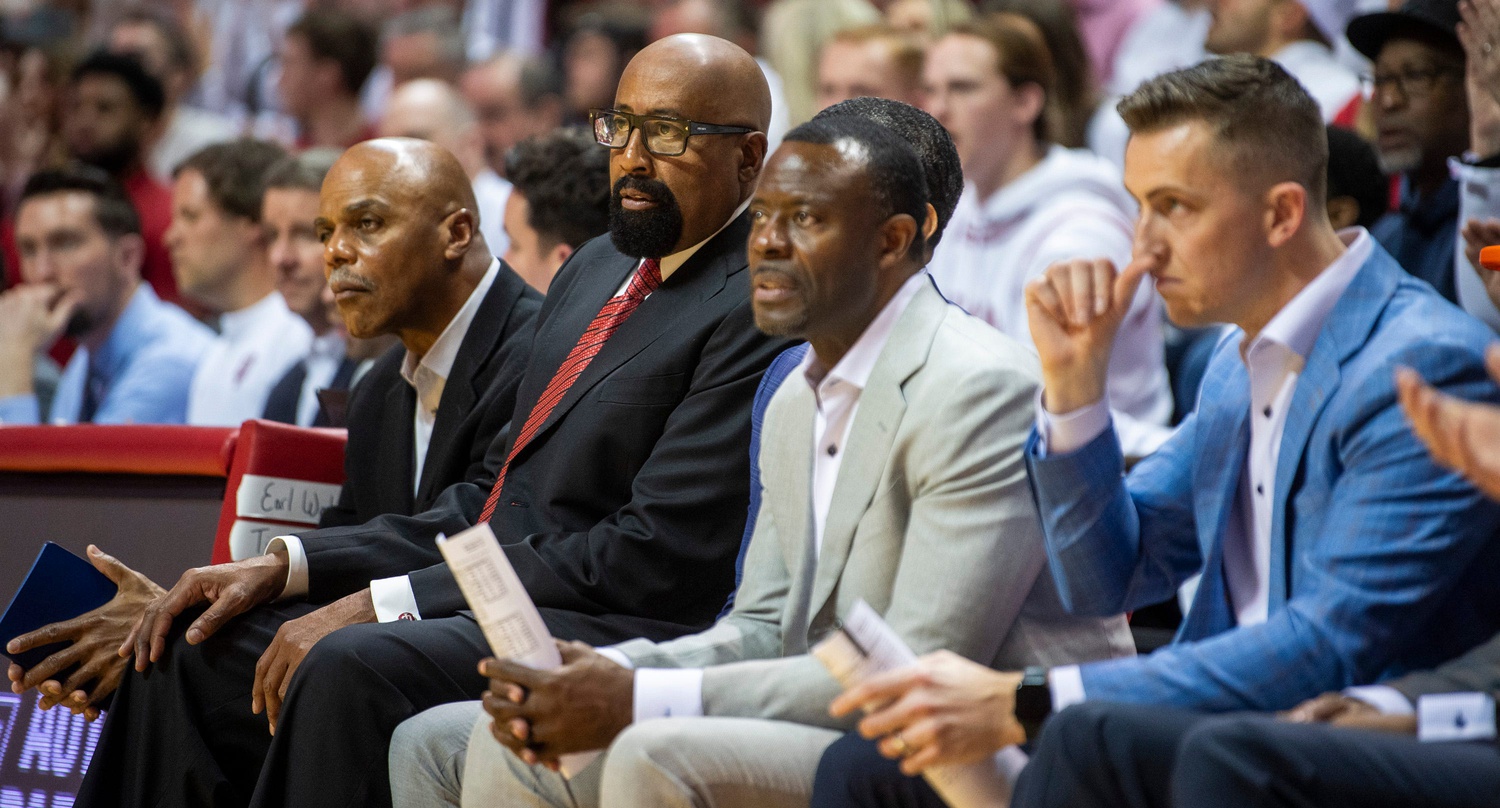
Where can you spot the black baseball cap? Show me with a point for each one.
(1428, 20)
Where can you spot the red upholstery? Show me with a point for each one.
(293, 473)
(133, 449)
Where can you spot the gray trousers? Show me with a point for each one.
(446, 757)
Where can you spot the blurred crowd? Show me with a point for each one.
(1026, 88)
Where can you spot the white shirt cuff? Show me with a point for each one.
(668, 693)
(1070, 431)
(616, 656)
(1455, 717)
(1066, 683)
(1387, 700)
(296, 568)
(394, 599)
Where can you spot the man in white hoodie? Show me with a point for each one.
(1028, 203)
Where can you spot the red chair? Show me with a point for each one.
(281, 477)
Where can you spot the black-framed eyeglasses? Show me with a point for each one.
(1410, 83)
(664, 137)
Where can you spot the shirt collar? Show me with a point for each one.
(856, 365)
(235, 324)
(1297, 325)
(671, 263)
(128, 334)
(439, 358)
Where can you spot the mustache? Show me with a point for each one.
(656, 189)
(777, 270)
(347, 279)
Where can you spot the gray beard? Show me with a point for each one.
(1400, 161)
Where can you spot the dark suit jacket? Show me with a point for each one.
(380, 460)
(1478, 670)
(623, 515)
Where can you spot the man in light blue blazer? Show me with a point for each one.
(1333, 551)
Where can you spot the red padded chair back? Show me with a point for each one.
(281, 477)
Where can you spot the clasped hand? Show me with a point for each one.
(542, 715)
(944, 710)
(92, 639)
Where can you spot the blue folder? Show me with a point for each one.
(60, 586)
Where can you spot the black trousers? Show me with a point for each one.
(852, 772)
(1138, 756)
(182, 733)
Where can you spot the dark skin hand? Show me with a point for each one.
(542, 715)
(94, 638)
(402, 255)
(1346, 711)
(293, 640)
(231, 589)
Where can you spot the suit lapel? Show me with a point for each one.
(699, 279)
(786, 453)
(1217, 479)
(867, 450)
(565, 323)
(1349, 325)
(398, 450)
(466, 379)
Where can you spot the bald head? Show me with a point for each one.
(415, 172)
(663, 203)
(717, 80)
(401, 243)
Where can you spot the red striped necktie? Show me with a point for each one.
(615, 312)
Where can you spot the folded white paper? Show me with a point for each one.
(510, 622)
(866, 646)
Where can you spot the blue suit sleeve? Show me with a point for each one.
(1397, 538)
(1114, 548)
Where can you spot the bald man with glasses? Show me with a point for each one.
(618, 491)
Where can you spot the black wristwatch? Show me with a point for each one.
(1033, 701)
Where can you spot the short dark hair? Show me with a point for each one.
(1252, 105)
(342, 37)
(1353, 171)
(112, 207)
(931, 142)
(303, 171)
(564, 177)
(181, 51)
(145, 88)
(892, 168)
(236, 174)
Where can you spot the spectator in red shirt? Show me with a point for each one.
(111, 107)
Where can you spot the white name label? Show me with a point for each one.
(248, 538)
(283, 499)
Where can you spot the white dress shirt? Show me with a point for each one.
(256, 346)
(323, 360)
(1274, 360)
(428, 376)
(663, 692)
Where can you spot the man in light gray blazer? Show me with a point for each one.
(893, 473)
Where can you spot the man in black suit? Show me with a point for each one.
(485, 316)
(622, 503)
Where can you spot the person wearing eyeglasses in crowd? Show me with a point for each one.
(611, 493)
(1421, 117)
